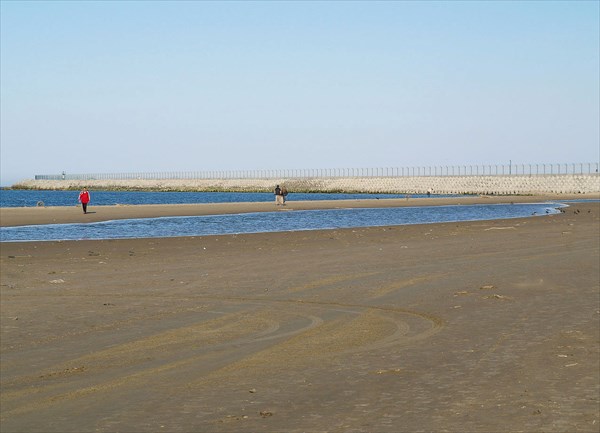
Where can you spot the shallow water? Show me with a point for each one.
(279, 221)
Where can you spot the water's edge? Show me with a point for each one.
(269, 222)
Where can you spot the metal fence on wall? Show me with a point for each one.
(448, 170)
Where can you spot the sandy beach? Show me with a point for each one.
(488, 326)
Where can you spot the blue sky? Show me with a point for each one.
(166, 86)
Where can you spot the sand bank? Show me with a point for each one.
(73, 214)
(475, 326)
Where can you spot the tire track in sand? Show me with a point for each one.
(297, 332)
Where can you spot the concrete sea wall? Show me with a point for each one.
(496, 185)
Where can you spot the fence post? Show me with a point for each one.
(414, 171)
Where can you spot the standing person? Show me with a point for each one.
(284, 193)
(84, 199)
(278, 196)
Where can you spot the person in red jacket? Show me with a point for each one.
(84, 199)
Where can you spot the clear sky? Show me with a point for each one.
(111, 86)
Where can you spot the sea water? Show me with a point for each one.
(31, 198)
(279, 221)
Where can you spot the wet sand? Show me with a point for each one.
(461, 327)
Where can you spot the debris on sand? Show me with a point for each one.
(496, 296)
(487, 287)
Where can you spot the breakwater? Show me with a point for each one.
(489, 185)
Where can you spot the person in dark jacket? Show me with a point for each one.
(278, 196)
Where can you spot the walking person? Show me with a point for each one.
(278, 196)
(84, 199)
(284, 193)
